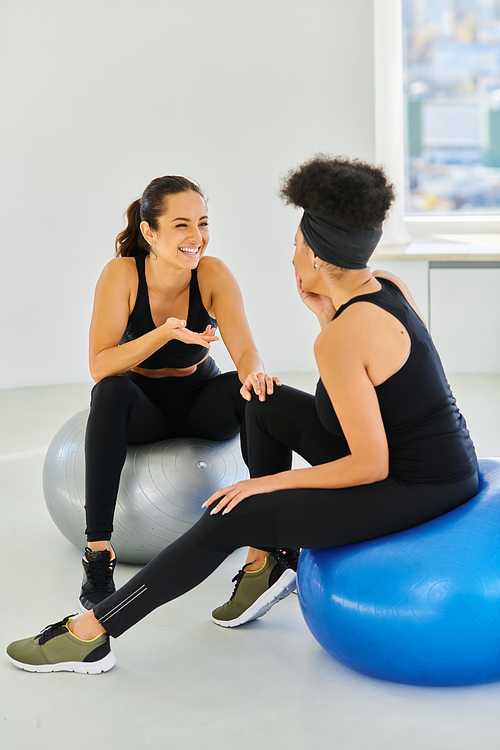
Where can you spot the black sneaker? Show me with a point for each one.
(290, 557)
(97, 582)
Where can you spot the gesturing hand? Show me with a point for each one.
(177, 329)
(261, 383)
(229, 497)
(320, 305)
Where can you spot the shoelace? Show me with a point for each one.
(237, 578)
(58, 628)
(100, 574)
(290, 557)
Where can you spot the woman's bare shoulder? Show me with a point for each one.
(122, 266)
(210, 265)
(379, 273)
(401, 285)
(118, 278)
(119, 270)
(215, 273)
(357, 330)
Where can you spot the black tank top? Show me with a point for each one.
(173, 353)
(428, 438)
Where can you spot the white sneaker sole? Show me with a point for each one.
(284, 586)
(81, 667)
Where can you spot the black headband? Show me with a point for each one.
(340, 246)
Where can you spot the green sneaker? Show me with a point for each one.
(56, 649)
(255, 593)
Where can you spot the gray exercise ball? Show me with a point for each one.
(162, 488)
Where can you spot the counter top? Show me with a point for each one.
(462, 248)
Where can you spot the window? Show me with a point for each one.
(451, 51)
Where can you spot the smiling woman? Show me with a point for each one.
(156, 311)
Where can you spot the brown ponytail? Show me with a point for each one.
(131, 242)
(149, 208)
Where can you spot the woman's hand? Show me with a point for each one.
(261, 383)
(229, 497)
(177, 330)
(319, 304)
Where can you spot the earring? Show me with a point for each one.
(315, 266)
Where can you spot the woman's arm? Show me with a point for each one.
(229, 311)
(115, 290)
(340, 353)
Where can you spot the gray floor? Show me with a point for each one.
(181, 682)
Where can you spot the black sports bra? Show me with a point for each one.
(173, 353)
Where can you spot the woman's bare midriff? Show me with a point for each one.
(168, 372)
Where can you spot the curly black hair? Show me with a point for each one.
(350, 191)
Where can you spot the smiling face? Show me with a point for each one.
(182, 235)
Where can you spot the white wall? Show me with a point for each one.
(465, 318)
(104, 95)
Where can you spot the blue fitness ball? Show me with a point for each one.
(420, 607)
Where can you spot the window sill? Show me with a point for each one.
(470, 249)
(429, 226)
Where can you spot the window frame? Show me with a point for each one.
(389, 135)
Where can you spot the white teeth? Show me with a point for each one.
(189, 250)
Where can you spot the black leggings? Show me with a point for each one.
(309, 518)
(131, 408)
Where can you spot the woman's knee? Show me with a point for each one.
(285, 400)
(112, 392)
(239, 528)
(279, 414)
